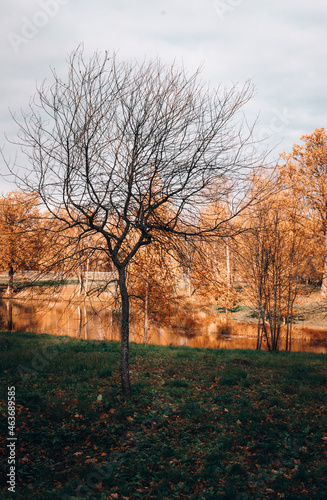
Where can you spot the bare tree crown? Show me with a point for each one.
(126, 148)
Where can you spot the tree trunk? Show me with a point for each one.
(85, 323)
(287, 316)
(86, 286)
(9, 310)
(189, 284)
(10, 288)
(124, 364)
(258, 335)
(80, 321)
(228, 277)
(146, 322)
(80, 281)
(290, 334)
(260, 329)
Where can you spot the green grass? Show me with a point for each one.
(202, 424)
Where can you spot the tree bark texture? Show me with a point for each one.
(124, 367)
(146, 322)
(10, 288)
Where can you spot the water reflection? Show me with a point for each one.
(95, 321)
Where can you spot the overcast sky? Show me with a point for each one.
(281, 45)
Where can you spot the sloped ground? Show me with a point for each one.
(202, 424)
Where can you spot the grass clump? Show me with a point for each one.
(232, 376)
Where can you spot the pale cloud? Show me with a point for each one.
(280, 45)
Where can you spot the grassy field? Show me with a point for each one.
(202, 424)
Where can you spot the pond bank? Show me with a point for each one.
(95, 320)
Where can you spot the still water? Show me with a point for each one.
(98, 322)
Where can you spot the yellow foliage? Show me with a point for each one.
(20, 240)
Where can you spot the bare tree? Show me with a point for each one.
(129, 151)
(272, 254)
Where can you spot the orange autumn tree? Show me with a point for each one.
(71, 254)
(272, 252)
(210, 266)
(152, 281)
(20, 234)
(305, 171)
(154, 273)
